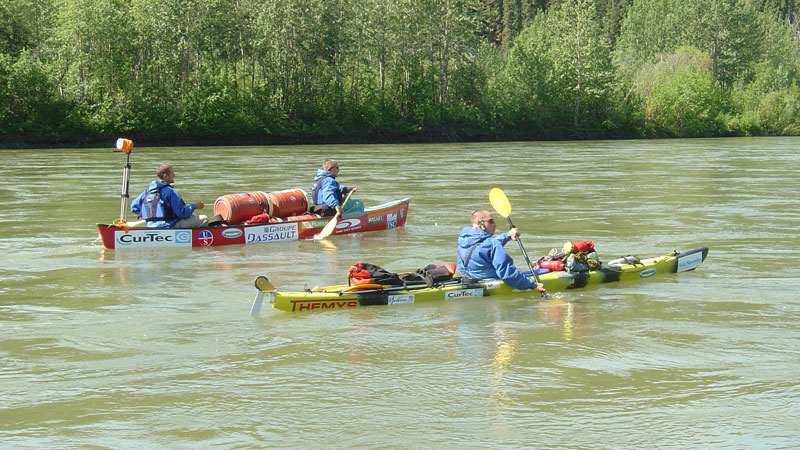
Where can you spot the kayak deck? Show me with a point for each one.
(346, 297)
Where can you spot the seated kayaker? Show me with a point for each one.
(162, 207)
(328, 195)
(482, 256)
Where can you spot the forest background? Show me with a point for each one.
(179, 72)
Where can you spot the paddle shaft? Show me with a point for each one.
(525, 254)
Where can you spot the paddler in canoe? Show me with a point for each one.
(327, 193)
(162, 207)
(481, 255)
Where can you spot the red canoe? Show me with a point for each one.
(381, 217)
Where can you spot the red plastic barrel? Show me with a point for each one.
(236, 208)
(554, 265)
(288, 203)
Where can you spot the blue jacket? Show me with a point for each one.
(489, 259)
(167, 211)
(329, 192)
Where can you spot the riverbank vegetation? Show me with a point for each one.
(80, 72)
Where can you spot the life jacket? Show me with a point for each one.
(155, 208)
(315, 191)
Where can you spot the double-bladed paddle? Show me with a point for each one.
(501, 204)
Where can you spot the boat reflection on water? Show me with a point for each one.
(558, 313)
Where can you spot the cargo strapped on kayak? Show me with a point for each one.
(366, 273)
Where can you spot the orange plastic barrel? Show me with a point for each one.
(236, 208)
(288, 203)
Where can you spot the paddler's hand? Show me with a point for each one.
(352, 189)
(339, 210)
(199, 205)
(513, 233)
(540, 287)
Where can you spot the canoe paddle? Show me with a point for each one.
(334, 220)
(501, 204)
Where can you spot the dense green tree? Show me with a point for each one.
(726, 29)
(681, 97)
(566, 58)
(520, 68)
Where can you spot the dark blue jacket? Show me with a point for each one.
(168, 209)
(329, 192)
(489, 259)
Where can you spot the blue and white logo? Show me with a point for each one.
(232, 233)
(183, 237)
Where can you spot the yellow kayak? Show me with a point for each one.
(345, 297)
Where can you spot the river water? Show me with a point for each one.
(155, 349)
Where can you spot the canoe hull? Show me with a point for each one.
(382, 217)
(344, 297)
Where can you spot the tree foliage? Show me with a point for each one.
(452, 69)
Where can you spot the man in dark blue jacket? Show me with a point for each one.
(326, 191)
(482, 256)
(162, 207)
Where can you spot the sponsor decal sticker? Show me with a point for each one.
(391, 220)
(348, 223)
(492, 284)
(689, 262)
(401, 299)
(183, 237)
(232, 233)
(205, 238)
(646, 273)
(271, 233)
(462, 293)
(323, 303)
(376, 220)
(153, 238)
(314, 224)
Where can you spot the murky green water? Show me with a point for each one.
(153, 348)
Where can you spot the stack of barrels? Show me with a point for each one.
(277, 206)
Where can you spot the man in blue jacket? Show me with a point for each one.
(482, 256)
(326, 191)
(162, 207)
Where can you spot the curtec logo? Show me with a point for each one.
(232, 233)
(153, 238)
(377, 220)
(647, 273)
(146, 238)
(326, 303)
(462, 293)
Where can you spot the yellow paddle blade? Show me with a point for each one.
(500, 202)
(329, 227)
